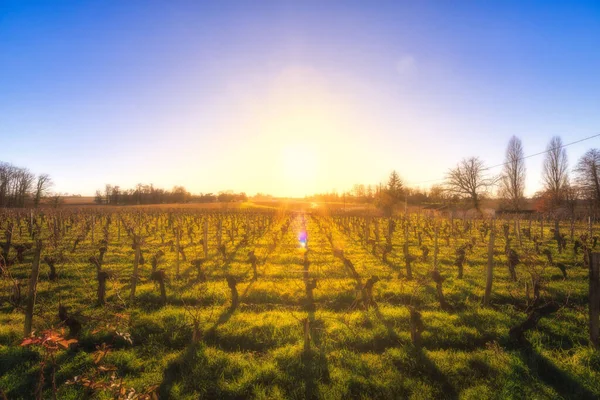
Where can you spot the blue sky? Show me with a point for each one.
(290, 97)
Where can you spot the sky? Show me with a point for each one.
(291, 97)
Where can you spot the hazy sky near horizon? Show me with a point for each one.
(290, 97)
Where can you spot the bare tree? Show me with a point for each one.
(555, 173)
(512, 181)
(588, 176)
(41, 188)
(6, 174)
(572, 195)
(107, 192)
(22, 183)
(467, 180)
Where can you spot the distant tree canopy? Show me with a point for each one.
(467, 180)
(512, 180)
(148, 194)
(555, 174)
(18, 186)
(587, 177)
(391, 195)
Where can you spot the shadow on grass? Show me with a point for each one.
(314, 364)
(210, 335)
(190, 371)
(561, 381)
(425, 367)
(388, 325)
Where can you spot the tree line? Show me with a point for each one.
(564, 188)
(148, 194)
(20, 187)
(471, 181)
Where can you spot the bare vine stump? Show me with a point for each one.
(513, 261)
(339, 253)
(310, 285)
(196, 333)
(232, 283)
(517, 333)
(32, 289)
(576, 247)
(102, 250)
(21, 248)
(223, 251)
(439, 280)
(425, 253)
(69, 321)
(51, 261)
(102, 276)
(201, 276)
(156, 259)
(160, 277)
(387, 248)
(416, 327)
(368, 290)
(562, 267)
(350, 266)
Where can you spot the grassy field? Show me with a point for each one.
(277, 343)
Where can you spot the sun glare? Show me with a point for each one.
(299, 168)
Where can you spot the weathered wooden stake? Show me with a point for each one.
(595, 300)
(32, 289)
(205, 239)
(435, 248)
(177, 234)
(136, 262)
(490, 268)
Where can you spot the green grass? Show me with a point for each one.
(257, 349)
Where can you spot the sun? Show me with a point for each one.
(299, 168)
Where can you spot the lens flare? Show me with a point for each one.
(303, 239)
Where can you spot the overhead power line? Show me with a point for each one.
(523, 158)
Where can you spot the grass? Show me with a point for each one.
(256, 350)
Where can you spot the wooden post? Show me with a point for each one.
(435, 247)
(32, 289)
(306, 326)
(490, 267)
(219, 232)
(595, 300)
(205, 239)
(572, 227)
(136, 262)
(407, 256)
(178, 250)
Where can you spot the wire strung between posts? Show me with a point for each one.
(522, 158)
